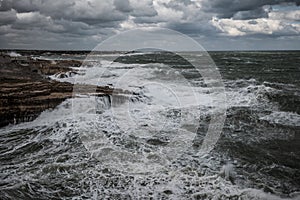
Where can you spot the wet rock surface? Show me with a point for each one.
(26, 90)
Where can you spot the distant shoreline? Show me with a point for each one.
(124, 51)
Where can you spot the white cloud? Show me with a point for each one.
(128, 24)
(285, 15)
(35, 20)
(258, 26)
(167, 14)
(29, 18)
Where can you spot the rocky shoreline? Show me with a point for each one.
(26, 90)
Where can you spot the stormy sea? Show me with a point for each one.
(142, 139)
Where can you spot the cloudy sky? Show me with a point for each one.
(215, 24)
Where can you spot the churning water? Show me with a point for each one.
(146, 145)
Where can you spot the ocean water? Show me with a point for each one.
(146, 144)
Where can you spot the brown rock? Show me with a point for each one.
(25, 91)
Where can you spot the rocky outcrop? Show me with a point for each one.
(25, 101)
(47, 67)
(25, 90)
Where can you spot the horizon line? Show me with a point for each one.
(90, 50)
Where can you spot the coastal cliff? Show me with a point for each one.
(26, 90)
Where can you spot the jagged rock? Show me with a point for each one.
(24, 93)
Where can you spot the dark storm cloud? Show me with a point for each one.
(228, 8)
(192, 28)
(46, 23)
(31, 22)
(21, 6)
(251, 14)
(90, 12)
(122, 5)
(8, 17)
(143, 8)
